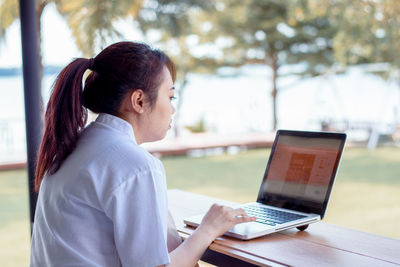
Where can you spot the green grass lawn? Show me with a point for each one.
(366, 194)
(14, 220)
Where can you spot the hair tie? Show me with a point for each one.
(91, 63)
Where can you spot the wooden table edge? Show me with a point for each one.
(237, 253)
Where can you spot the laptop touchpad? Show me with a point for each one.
(250, 227)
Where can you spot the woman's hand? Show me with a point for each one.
(220, 219)
(216, 222)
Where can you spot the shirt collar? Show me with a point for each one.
(116, 123)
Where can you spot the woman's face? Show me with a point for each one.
(159, 116)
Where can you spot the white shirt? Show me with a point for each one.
(106, 205)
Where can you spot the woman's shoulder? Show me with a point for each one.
(117, 164)
(126, 159)
(129, 154)
(112, 147)
(114, 157)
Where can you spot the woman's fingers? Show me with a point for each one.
(220, 219)
(235, 215)
(243, 219)
(239, 212)
(241, 216)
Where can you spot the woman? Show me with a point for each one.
(102, 198)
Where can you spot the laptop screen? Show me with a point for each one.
(301, 170)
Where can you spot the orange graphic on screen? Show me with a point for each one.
(303, 165)
(300, 168)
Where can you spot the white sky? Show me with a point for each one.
(57, 42)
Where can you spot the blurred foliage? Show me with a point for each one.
(275, 33)
(171, 25)
(368, 30)
(272, 32)
(201, 36)
(8, 13)
(91, 21)
(198, 127)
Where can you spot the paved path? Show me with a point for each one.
(195, 142)
(191, 144)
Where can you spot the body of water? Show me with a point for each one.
(242, 103)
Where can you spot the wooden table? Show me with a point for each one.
(321, 244)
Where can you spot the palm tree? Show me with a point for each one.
(91, 21)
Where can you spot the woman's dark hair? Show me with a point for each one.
(118, 70)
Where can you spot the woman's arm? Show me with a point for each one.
(218, 220)
(173, 238)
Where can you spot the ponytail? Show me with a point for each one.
(64, 119)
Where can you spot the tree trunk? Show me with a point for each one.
(274, 92)
(179, 105)
(39, 10)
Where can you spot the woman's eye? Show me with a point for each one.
(172, 98)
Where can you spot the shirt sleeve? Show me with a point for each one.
(139, 227)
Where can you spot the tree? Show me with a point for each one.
(275, 33)
(172, 25)
(368, 31)
(91, 21)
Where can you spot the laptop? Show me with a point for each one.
(296, 185)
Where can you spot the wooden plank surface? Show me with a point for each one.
(320, 245)
(371, 245)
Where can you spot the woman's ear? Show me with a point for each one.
(137, 101)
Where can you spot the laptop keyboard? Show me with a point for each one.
(270, 216)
